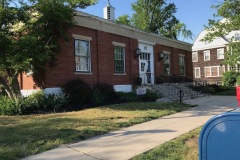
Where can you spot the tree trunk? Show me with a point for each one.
(11, 84)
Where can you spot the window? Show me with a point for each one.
(237, 36)
(82, 55)
(197, 72)
(182, 65)
(214, 71)
(234, 68)
(207, 55)
(220, 53)
(166, 64)
(119, 60)
(194, 56)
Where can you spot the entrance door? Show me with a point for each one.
(145, 68)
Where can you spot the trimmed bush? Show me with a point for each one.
(77, 91)
(102, 93)
(127, 97)
(150, 96)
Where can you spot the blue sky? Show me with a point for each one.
(194, 13)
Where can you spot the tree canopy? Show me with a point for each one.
(29, 34)
(156, 16)
(228, 14)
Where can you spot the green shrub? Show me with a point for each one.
(230, 78)
(8, 106)
(238, 80)
(150, 96)
(102, 93)
(35, 103)
(127, 96)
(77, 91)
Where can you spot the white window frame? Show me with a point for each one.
(218, 71)
(220, 53)
(123, 46)
(237, 36)
(196, 57)
(207, 54)
(197, 68)
(88, 70)
(117, 58)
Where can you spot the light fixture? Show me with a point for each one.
(137, 52)
(160, 56)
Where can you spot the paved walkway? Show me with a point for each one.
(131, 141)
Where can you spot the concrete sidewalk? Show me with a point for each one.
(128, 142)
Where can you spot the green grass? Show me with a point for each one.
(184, 147)
(22, 136)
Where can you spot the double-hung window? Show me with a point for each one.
(214, 71)
(182, 65)
(82, 55)
(207, 55)
(119, 60)
(220, 53)
(197, 72)
(195, 56)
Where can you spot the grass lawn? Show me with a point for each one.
(22, 136)
(184, 147)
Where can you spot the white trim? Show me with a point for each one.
(218, 71)
(204, 55)
(146, 42)
(199, 72)
(166, 52)
(119, 44)
(218, 55)
(76, 36)
(197, 56)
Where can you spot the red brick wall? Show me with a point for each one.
(213, 62)
(102, 60)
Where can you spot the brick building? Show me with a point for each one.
(208, 57)
(102, 51)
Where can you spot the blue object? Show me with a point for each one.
(220, 138)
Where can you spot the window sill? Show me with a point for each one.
(86, 73)
(120, 74)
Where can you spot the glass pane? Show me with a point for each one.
(207, 72)
(214, 71)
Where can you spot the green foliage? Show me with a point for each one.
(133, 97)
(127, 96)
(124, 19)
(238, 80)
(30, 31)
(77, 91)
(36, 102)
(102, 93)
(229, 13)
(230, 78)
(150, 96)
(158, 17)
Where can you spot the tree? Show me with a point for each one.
(124, 19)
(29, 34)
(228, 14)
(158, 17)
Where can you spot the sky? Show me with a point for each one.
(194, 13)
